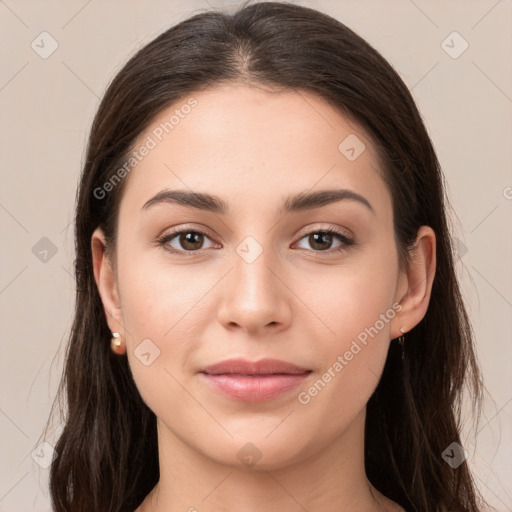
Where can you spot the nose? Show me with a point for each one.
(255, 298)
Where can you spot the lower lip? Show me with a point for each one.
(257, 388)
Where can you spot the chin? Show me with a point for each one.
(257, 453)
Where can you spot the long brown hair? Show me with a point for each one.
(106, 456)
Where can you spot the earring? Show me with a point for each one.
(117, 345)
(401, 341)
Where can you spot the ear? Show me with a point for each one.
(417, 282)
(105, 278)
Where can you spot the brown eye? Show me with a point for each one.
(322, 240)
(191, 240)
(184, 241)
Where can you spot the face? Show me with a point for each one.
(312, 281)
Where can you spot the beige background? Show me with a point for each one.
(47, 106)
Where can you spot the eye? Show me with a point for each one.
(190, 240)
(322, 240)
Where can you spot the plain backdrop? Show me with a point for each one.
(57, 59)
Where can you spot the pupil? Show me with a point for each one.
(191, 238)
(318, 239)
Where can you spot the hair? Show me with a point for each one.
(107, 453)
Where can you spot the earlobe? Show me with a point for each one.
(105, 278)
(420, 277)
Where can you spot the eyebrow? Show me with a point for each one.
(299, 202)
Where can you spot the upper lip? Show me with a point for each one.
(261, 367)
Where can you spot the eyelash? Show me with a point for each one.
(342, 237)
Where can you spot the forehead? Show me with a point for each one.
(245, 143)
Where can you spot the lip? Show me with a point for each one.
(254, 381)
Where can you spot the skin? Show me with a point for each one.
(295, 302)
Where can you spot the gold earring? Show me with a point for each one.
(117, 344)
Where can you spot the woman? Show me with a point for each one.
(267, 312)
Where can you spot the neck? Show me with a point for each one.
(333, 480)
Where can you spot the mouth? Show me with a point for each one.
(254, 381)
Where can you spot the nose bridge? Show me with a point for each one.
(253, 296)
(254, 282)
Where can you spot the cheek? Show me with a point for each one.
(351, 298)
(358, 308)
(351, 369)
(158, 298)
(161, 306)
